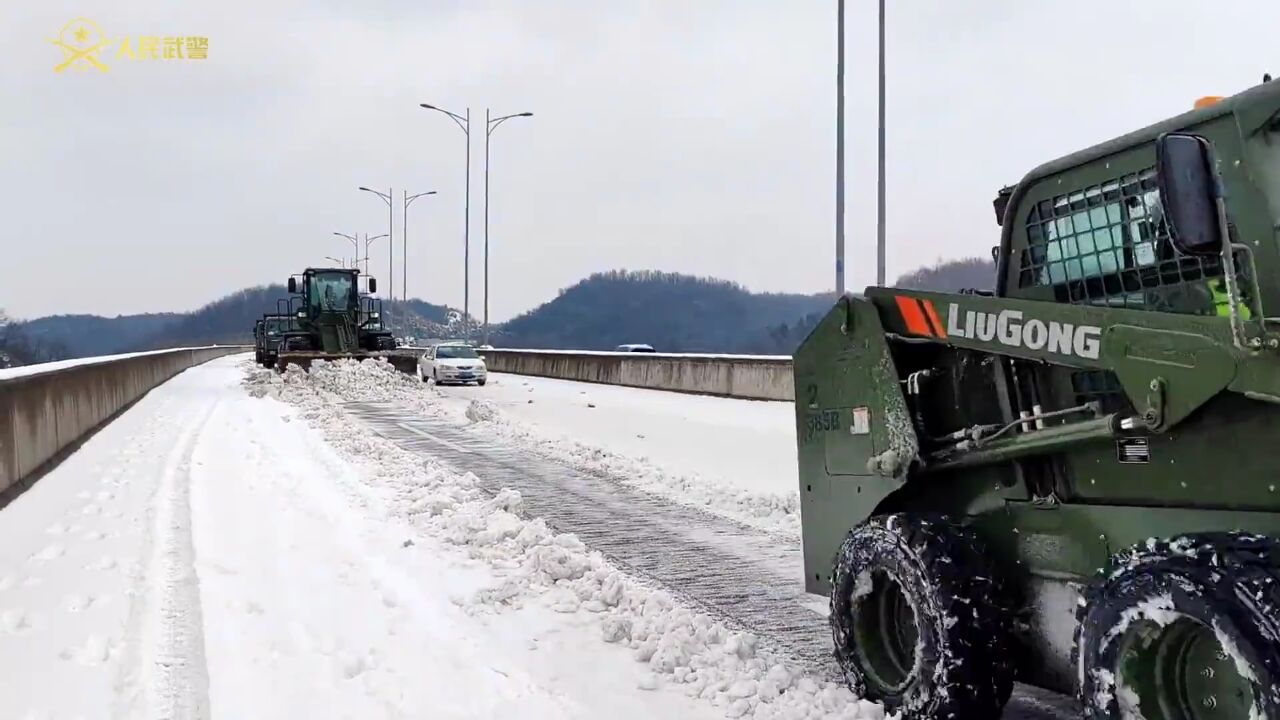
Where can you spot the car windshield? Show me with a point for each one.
(332, 292)
(275, 326)
(455, 351)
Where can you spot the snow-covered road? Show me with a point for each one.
(685, 434)
(211, 554)
(353, 543)
(734, 457)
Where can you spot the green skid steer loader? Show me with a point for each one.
(1067, 481)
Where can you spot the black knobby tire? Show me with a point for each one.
(920, 619)
(1187, 627)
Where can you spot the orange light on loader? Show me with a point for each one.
(1207, 100)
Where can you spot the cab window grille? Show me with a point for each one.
(1108, 244)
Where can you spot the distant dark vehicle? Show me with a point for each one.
(268, 332)
(257, 341)
(634, 347)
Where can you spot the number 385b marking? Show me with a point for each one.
(820, 422)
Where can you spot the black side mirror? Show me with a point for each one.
(293, 285)
(1189, 191)
(373, 285)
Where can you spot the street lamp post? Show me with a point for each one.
(489, 126)
(367, 242)
(355, 244)
(404, 241)
(391, 242)
(880, 185)
(464, 123)
(341, 263)
(840, 148)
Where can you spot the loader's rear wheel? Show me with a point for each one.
(1184, 629)
(920, 621)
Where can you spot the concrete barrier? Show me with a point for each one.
(752, 377)
(43, 413)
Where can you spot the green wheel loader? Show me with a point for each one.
(1068, 481)
(331, 319)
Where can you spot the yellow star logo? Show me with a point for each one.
(80, 41)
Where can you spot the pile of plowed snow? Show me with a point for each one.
(679, 646)
(378, 381)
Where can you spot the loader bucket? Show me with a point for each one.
(403, 361)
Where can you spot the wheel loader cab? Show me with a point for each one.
(331, 291)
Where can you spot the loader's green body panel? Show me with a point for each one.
(847, 372)
(1097, 398)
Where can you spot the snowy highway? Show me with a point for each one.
(354, 543)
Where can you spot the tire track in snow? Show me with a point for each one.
(748, 577)
(168, 677)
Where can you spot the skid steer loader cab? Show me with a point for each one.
(1064, 481)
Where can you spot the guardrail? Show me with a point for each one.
(45, 412)
(752, 377)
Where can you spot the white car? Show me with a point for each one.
(452, 364)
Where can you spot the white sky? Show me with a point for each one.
(684, 135)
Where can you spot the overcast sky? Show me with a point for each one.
(684, 135)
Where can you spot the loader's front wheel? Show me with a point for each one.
(1184, 629)
(920, 621)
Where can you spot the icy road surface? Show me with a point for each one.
(734, 458)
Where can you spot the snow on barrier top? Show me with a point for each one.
(750, 377)
(619, 353)
(46, 408)
(36, 369)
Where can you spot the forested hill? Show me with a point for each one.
(231, 319)
(227, 320)
(672, 312)
(944, 276)
(86, 335)
(952, 276)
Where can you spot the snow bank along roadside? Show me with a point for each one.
(771, 511)
(25, 370)
(51, 409)
(679, 646)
